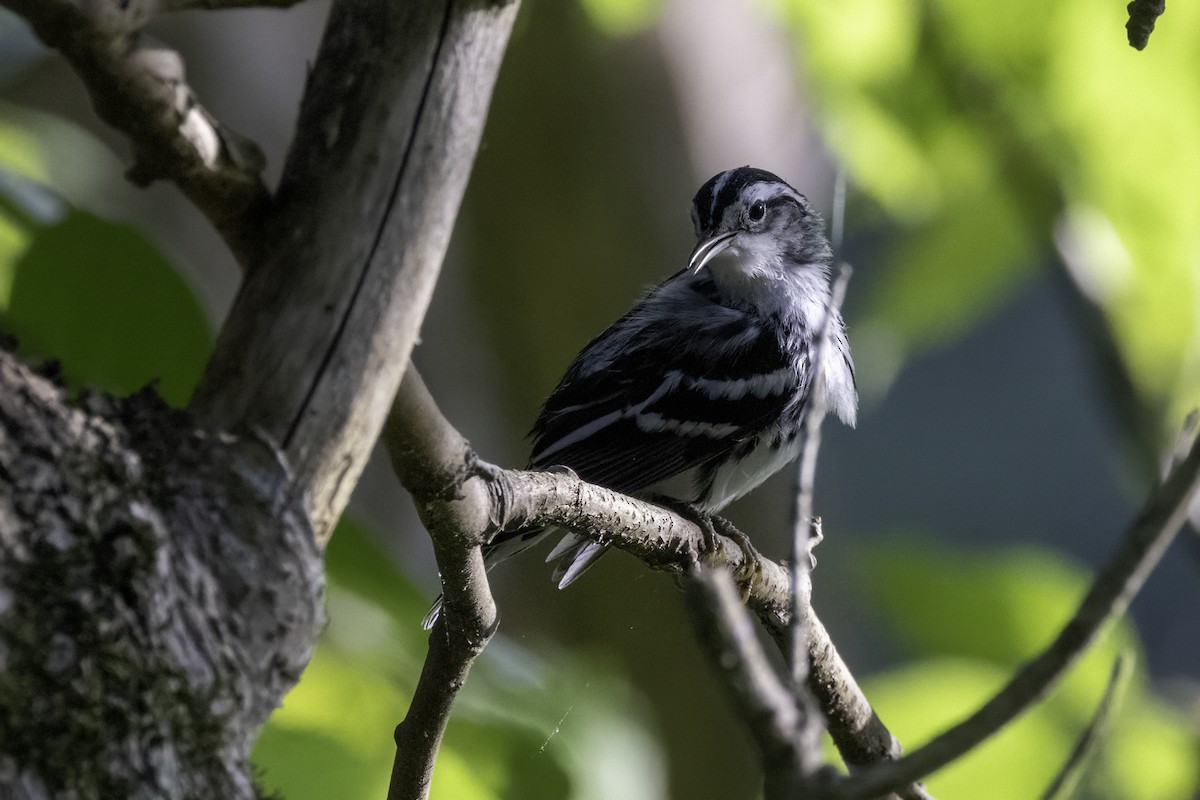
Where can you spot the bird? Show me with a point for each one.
(696, 395)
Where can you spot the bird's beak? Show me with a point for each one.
(708, 249)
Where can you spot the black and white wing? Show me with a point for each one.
(657, 395)
(677, 387)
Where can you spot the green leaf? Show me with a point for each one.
(100, 298)
(356, 562)
(984, 131)
(999, 606)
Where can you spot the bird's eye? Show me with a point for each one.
(758, 210)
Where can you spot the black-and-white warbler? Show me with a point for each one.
(696, 394)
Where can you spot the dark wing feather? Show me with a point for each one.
(598, 422)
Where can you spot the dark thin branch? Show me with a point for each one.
(765, 702)
(138, 86)
(1064, 783)
(1144, 543)
(433, 463)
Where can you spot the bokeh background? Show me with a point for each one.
(1023, 216)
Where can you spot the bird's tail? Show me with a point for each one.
(504, 546)
(573, 553)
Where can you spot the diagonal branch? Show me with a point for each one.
(793, 764)
(1064, 783)
(138, 86)
(1163, 515)
(321, 330)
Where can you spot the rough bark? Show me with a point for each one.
(321, 331)
(160, 590)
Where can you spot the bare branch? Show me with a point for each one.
(321, 330)
(767, 705)
(1065, 781)
(433, 462)
(806, 528)
(138, 86)
(1147, 538)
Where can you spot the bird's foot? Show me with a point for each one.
(713, 527)
(750, 570)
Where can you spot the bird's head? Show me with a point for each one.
(752, 225)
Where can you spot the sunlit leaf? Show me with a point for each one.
(980, 129)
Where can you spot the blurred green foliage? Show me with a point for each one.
(524, 726)
(100, 298)
(991, 134)
(968, 620)
(91, 293)
(984, 138)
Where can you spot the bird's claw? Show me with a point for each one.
(750, 570)
(712, 529)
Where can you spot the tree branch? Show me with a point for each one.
(1064, 783)
(435, 463)
(792, 761)
(432, 459)
(1140, 551)
(138, 86)
(322, 328)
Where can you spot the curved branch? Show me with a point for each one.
(435, 462)
(792, 762)
(138, 86)
(1163, 515)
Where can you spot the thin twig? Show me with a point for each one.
(766, 704)
(804, 524)
(1064, 783)
(1140, 551)
(806, 528)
